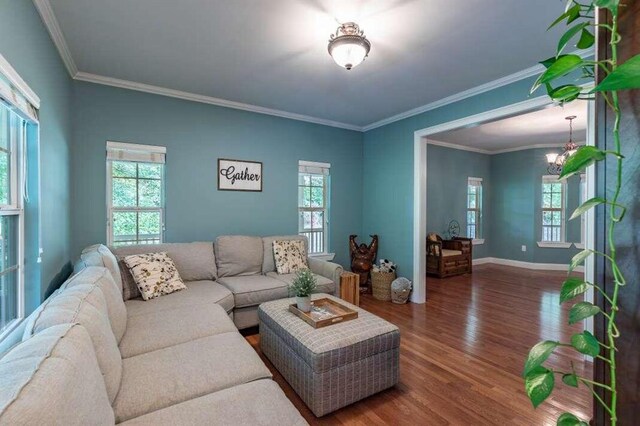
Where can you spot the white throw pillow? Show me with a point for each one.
(289, 256)
(155, 274)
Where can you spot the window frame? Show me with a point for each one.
(111, 210)
(477, 182)
(546, 179)
(321, 169)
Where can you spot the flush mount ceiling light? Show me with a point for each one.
(555, 160)
(348, 46)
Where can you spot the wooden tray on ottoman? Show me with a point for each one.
(324, 312)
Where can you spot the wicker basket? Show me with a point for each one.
(400, 296)
(381, 285)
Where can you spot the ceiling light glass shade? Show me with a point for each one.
(551, 157)
(348, 46)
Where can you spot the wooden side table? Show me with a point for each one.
(350, 288)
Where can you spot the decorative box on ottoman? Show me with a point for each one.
(333, 366)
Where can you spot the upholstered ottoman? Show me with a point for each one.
(333, 366)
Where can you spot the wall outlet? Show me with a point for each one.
(524, 248)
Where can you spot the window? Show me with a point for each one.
(313, 210)
(553, 209)
(135, 194)
(12, 140)
(474, 208)
(583, 217)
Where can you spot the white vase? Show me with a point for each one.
(304, 303)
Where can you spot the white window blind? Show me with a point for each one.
(119, 151)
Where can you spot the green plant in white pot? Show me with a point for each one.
(302, 286)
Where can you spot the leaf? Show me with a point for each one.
(569, 34)
(563, 65)
(582, 310)
(570, 380)
(586, 40)
(586, 343)
(571, 14)
(595, 201)
(547, 62)
(578, 259)
(565, 93)
(539, 354)
(612, 5)
(568, 419)
(571, 288)
(626, 76)
(539, 384)
(581, 159)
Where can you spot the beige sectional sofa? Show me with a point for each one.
(90, 357)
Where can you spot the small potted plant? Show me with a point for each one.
(302, 286)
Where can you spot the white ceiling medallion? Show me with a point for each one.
(348, 46)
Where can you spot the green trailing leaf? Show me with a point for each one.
(570, 380)
(626, 76)
(539, 384)
(563, 65)
(589, 204)
(572, 287)
(568, 419)
(565, 93)
(612, 5)
(581, 159)
(579, 258)
(571, 14)
(539, 354)
(582, 310)
(586, 40)
(569, 34)
(547, 62)
(586, 343)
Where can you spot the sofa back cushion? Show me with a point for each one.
(238, 255)
(85, 305)
(103, 279)
(268, 263)
(194, 261)
(100, 255)
(53, 378)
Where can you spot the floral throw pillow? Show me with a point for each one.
(290, 256)
(155, 274)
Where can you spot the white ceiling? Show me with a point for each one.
(543, 128)
(273, 53)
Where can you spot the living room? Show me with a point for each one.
(129, 124)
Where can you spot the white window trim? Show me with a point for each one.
(563, 228)
(470, 179)
(477, 241)
(157, 154)
(315, 167)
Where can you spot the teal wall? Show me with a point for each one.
(447, 173)
(25, 43)
(196, 135)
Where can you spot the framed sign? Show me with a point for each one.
(239, 175)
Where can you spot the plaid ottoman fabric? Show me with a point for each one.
(333, 366)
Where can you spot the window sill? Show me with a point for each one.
(323, 256)
(579, 246)
(545, 244)
(477, 241)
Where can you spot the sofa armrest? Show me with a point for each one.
(328, 270)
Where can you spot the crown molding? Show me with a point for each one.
(486, 87)
(50, 21)
(157, 90)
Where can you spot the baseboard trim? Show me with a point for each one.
(525, 265)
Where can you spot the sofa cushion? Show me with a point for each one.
(290, 256)
(53, 378)
(155, 274)
(103, 279)
(163, 328)
(195, 261)
(257, 403)
(100, 255)
(255, 289)
(85, 305)
(323, 284)
(268, 262)
(238, 255)
(197, 293)
(168, 376)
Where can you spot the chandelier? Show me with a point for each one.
(348, 46)
(555, 160)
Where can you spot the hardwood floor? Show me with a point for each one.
(462, 354)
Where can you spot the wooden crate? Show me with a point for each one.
(350, 287)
